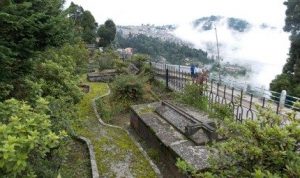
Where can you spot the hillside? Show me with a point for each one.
(157, 48)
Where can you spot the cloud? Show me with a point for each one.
(263, 49)
(136, 12)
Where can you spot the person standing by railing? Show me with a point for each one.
(193, 72)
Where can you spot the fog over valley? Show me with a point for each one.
(261, 47)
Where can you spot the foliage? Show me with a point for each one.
(173, 52)
(127, 87)
(107, 33)
(139, 60)
(104, 110)
(264, 147)
(76, 159)
(106, 60)
(184, 167)
(27, 27)
(25, 135)
(84, 22)
(37, 61)
(290, 77)
(220, 111)
(193, 97)
(107, 140)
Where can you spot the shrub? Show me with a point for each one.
(263, 147)
(139, 60)
(25, 137)
(128, 88)
(221, 111)
(106, 60)
(192, 95)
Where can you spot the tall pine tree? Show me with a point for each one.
(27, 27)
(290, 77)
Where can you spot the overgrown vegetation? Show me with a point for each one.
(41, 58)
(127, 88)
(174, 53)
(107, 140)
(290, 78)
(106, 60)
(192, 95)
(264, 147)
(77, 162)
(26, 137)
(267, 146)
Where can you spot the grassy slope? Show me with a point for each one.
(77, 159)
(116, 154)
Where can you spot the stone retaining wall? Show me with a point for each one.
(95, 173)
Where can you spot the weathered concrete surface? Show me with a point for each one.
(168, 136)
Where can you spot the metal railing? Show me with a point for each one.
(243, 102)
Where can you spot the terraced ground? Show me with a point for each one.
(116, 153)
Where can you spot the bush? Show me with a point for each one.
(128, 88)
(192, 95)
(221, 111)
(139, 60)
(264, 147)
(106, 60)
(25, 137)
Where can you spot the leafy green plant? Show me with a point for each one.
(184, 167)
(263, 147)
(192, 95)
(25, 136)
(106, 60)
(139, 60)
(104, 110)
(128, 88)
(221, 111)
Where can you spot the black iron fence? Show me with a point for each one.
(244, 103)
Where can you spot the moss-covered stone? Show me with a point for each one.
(116, 153)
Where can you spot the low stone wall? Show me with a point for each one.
(95, 173)
(103, 76)
(166, 154)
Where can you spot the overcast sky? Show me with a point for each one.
(159, 12)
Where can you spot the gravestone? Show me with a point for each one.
(176, 132)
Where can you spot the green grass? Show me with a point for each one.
(76, 163)
(112, 146)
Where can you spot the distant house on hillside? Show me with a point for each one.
(125, 53)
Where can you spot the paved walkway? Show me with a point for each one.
(116, 154)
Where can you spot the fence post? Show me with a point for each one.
(282, 100)
(167, 78)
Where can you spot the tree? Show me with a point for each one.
(107, 33)
(89, 26)
(25, 28)
(291, 70)
(84, 21)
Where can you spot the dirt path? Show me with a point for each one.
(116, 153)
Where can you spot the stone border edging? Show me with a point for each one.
(95, 173)
(154, 167)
